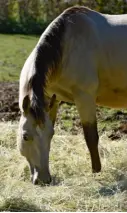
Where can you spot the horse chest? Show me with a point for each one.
(62, 93)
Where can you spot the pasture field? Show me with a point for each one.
(73, 187)
(14, 50)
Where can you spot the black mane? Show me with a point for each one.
(48, 56)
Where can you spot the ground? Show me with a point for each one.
(9, 109)
(73, 187)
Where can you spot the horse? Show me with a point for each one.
(80, 58)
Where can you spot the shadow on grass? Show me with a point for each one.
(119, 187)
(19, 205)
(56, 181)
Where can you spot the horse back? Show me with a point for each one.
(95, 49)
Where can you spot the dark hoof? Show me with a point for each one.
(96, 169)
(34, 180)
(47, 182)
(37, 181)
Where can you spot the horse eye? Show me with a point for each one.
(25, 137)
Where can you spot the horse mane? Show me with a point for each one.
(47, 58)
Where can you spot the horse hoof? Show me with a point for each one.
(96, 169)
(46, 181)
(36, 181)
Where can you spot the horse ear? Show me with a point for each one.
(26, 104)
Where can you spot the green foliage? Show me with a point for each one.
(22, 17)
(30, 26)
(112, 6)
(33, 16)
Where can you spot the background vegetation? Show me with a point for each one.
(32, 16)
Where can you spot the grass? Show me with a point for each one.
(14, 50)
(74, 187)
(109, 120)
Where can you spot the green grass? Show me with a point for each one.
(14, 50)
(74, 188)
(109, 120)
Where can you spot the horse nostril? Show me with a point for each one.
(25, 137)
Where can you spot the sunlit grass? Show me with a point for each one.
(14, 50)
(74, 187)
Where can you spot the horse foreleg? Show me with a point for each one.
(87, 110)
(91, 136)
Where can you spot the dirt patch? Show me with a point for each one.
(118, 131)
(9, 109)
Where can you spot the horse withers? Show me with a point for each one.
(81, 59)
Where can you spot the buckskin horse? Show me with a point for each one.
(80, 58)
